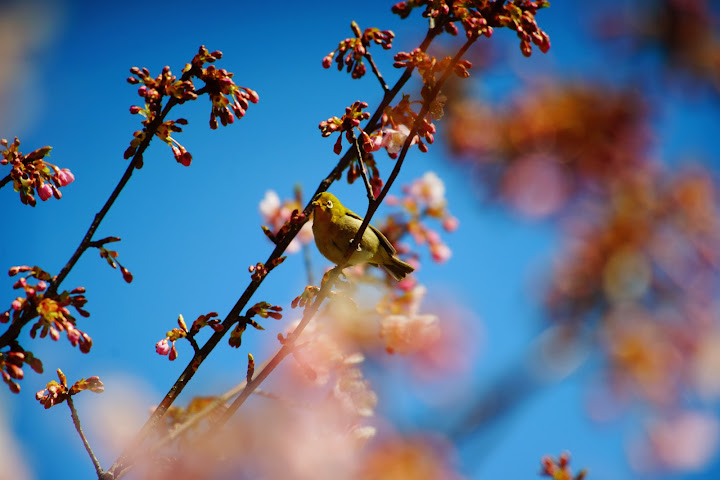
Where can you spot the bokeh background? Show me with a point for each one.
(583, 283)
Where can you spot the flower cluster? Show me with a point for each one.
(559, 469)
(282, 216)
(55, 393)
(304, 298)
(424, 198)
(597, 133)
(681, 34)
(53, 312)
(480, 17)
(429, 67)
(11, 364)
(645, 265)
(111, 256)
(357, 48)
(348, 123)
(412, 457)
(259, 270)
(264, 310)
(153, 91)
(320, 359)
(31, 173)
(228, 100)
(394, 130)
(166, 346)
(403, 329)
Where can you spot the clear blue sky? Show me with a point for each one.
(188, 234)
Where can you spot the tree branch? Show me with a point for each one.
(5, 180)
(76, 422)
(377, 73)
(363, 169)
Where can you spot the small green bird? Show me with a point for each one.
(334, 227)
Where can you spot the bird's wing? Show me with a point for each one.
(383, 241)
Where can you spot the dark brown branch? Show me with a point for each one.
(5, 180)
(377, 73)
(76, 422)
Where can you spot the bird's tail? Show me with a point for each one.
(397, 268)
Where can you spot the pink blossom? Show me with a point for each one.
(393, 140)
(162, 347)
(450, 224)
(45, 191)
(42, 285)
(686, 442)
(270, 207)
(17, 304)
(65, 177)
(440, 252)
(409, 333)
(429, 190)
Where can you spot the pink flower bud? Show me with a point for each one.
(73, 335)
(17, 304)
(450, 224)
(45, 191)
(42, 285)
(162, 347)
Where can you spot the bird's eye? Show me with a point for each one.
(329, 204)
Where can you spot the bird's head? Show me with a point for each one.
(327, 203)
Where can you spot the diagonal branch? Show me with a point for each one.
(76, 422)
(5, 180)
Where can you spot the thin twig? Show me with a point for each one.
(377, 73)
(363, 169)
(76, 422)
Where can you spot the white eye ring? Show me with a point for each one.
(329, 204)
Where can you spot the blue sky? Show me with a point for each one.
(188, 234)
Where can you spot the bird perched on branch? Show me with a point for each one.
(334, 227)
